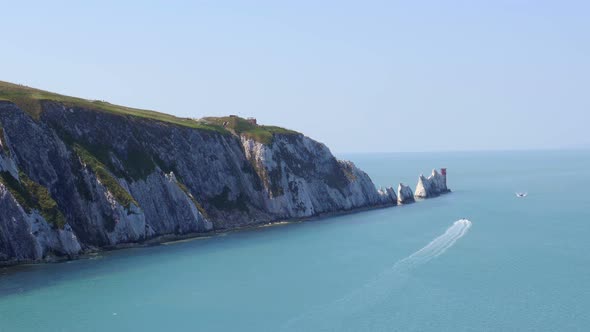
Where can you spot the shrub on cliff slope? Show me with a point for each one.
(103, 175)
(31, 195)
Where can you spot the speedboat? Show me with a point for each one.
(521, 194)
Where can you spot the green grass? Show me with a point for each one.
(29, 100)
(31, 195)
(103, 175)
(240, 126)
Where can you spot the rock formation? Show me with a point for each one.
(434, 185)
(78, 179)
(404, 194)
(77, 176)
(388, 195)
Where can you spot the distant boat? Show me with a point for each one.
(521, 194)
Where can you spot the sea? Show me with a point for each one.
(477, 259)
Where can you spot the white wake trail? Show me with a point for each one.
(380, 288)
(436, 247)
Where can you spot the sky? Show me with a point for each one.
(359, 76)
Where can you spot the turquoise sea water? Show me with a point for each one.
(520, 264)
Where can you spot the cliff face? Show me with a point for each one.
(77, 179)
(301, 178)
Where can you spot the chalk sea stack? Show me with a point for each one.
(404, 194)
(434, 185)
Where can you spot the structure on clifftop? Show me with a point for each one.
(434, 185)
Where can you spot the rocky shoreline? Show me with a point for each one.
(403, 198)
(77, 178)
(174, 238)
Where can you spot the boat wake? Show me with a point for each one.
(380, 287)
(436, 247)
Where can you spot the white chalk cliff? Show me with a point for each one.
(76, 180)
(434, 185)
(404, 194)
(388, 195)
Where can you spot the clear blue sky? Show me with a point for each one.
(358, 76)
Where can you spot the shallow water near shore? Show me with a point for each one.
(515, 264)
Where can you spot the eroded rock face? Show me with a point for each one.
(300, 177)
(101, 180)
(119, 179)
(388, 195)
(404, 194)
(434, 185)
(28, 237)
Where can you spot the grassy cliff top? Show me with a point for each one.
(241, 126)
(29, 100)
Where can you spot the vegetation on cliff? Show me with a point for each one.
(241, 126)
(223, 201)
(3, 141)
(33, 196)
(137, 164)
(195, 202)
(30, 100)
(103, 175)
